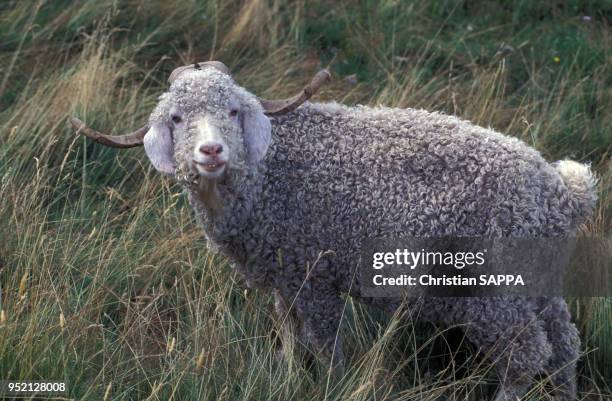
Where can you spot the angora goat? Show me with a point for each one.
(273, 184)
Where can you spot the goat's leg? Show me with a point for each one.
(565, 340)
(293, 348)
(288, 328)
(507, 330)
(310, 323)
(320, 314)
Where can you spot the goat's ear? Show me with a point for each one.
(257, 134)
(159, 148)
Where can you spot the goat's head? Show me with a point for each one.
(206, 124)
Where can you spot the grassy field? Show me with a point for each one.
(105, 280)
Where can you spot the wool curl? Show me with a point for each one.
(335, 176)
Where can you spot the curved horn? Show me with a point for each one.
(130, 140)
(284, 106)
(197, 66)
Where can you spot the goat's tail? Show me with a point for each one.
(581, 183)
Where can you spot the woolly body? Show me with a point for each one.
(335, 176)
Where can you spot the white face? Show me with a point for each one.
(212, 142)
(208, 125)
(211, 152)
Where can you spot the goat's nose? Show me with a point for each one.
(211, 149)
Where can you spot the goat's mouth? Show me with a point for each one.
(211, 167)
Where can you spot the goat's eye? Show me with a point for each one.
(233, 112)
(176, 119)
